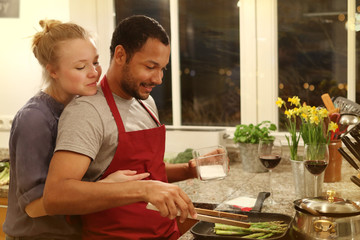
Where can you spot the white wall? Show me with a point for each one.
(20, 73)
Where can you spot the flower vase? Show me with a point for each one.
(304, 181)
(249, 158)
(333, 170)
(298, 178)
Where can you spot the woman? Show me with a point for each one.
(69, 59)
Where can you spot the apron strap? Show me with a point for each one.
(111, 102)
(151, 114)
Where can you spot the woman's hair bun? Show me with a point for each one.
(48, 24)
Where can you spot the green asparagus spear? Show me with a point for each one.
(227, 232)
(254, 235)
(266, 236)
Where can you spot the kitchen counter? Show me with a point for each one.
(4, 153)
(240, 183)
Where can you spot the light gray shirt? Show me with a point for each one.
(87, 126)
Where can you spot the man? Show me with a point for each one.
(118, 129)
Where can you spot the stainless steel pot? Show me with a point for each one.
(326, 218)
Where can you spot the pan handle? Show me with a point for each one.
(259, 201)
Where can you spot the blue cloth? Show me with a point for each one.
(31, 146)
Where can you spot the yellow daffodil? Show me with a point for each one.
(294, 101)
(288, 114)
(280, 102)
(315, 119)
(304, 116)
(333, 126)
(323, 112)
(312, 125)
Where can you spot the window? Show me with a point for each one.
(286, 47)
(209, 59)
(312, 47)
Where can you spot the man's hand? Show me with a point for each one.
(124, 176)
(169, 199)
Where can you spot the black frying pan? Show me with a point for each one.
(205, 230)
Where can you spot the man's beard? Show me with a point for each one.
(129, 85)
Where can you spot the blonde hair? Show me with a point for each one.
(45, 43)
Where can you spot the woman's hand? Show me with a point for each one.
(124, 176)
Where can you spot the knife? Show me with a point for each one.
(355, 180)
(350, 146)
(349, 159)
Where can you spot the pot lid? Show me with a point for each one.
(330, 205)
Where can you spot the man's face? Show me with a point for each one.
(145, 70)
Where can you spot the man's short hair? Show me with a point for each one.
(134, 31)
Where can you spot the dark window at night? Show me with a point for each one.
(209, 59)
(210, 62)
(312, 47)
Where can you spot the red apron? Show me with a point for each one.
(142, 151)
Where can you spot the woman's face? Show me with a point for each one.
(77, 70)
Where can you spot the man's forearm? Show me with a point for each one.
(74, 197)
(180, 171)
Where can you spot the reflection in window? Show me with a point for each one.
(312, 49)
(210, 62)
(159, 10)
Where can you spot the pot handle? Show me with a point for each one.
(323, 225)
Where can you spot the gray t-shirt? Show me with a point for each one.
(31, 145)
(87, 127)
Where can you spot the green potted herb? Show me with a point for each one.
(248, 137)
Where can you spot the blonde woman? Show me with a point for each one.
(69, 59)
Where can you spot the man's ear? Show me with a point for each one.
(120, 55)
(51, 71)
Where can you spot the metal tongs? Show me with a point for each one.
(214, 216)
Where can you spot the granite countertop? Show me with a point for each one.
(240, 183)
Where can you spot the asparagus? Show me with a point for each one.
(255, 235)
(258, 230)
(266, 236)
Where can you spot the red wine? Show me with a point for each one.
(270, 161)
(315, 167)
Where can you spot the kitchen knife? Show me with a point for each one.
(349, 159)
(355, 180)
(259, 201)
(346, 140)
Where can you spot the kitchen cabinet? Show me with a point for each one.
(3, 208)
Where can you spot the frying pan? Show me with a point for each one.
(205, 230)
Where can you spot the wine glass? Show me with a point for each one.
(269, 153)
(316, 159)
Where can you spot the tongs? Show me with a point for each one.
(214, 216)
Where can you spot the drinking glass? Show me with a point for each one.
(269, 153)
(316, 159)
(211, 162)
